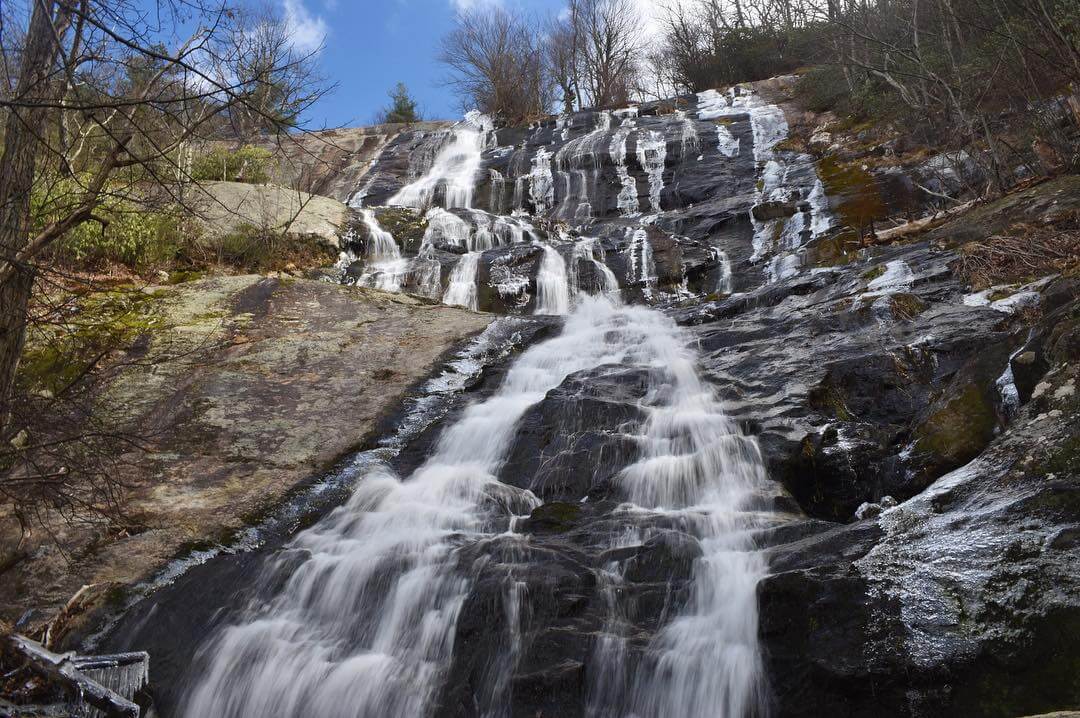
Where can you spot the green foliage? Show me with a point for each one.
(247, 164)
(137, 239)
(57, 354)
(822, 88)
(402, 106)
(121, 231)
(248, 247)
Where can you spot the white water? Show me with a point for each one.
(726, 283)
(453, 170)
(588, 249)
(552, 284)
(628, 196)
(697, 468)
(385, 268)
(641, 268)
(462, 290)
(652, 153)
(363, 624)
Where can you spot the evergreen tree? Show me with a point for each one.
(402, 106)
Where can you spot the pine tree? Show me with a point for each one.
(402, 106)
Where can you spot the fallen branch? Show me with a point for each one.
(923, 223)
(64, 668)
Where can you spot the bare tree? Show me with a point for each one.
(103, 105)
(562, 55)
(497, 64)
(611, 48)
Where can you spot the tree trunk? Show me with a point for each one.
(22, 144)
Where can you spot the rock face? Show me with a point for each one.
(920, 529)
(224, 207)
(234, 391)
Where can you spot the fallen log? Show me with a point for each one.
(66, 669)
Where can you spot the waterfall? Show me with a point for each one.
(696, 470)
(453, 170)
(726, 283)
(552, 284)
(385, 268)
(541, 182)
(363, 622)
(360, 612)
(462, 290)
(640, 264)
(628, 195)
(652, 153)
(587, 249)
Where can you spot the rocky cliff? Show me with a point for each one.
(918, 531)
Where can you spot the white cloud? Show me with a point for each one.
(306, 31)
(463, 5)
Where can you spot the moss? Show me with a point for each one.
(1064, 460)
(859, 203)
(554, 516)
(906, 306)
(872, 274)
(101, 322)
(836, 250)
(407, 225)
(1000, 294)
(182, 276)
(828, 397)
(959, 430)
(790, 144)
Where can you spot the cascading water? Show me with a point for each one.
(364, 622)
(552, 284)
(364, 612)
(385, 268)
(453, 170)
(462, 290)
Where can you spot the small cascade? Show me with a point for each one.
(781, 179)
(725, 284)
(541, 183)
(384, 267)
(628, 196)
(578, 162)
(462, 290)
(651, 155)
(689, 143)
(587, 249)
(552, 284)
(454, 169)
(727, 143)
(641, 269)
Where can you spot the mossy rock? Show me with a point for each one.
(553, 517)
(406, 224)
(958, 430)
(828, 398)
(101, 323)
(839, 249)
(872, 274)
(854, 191)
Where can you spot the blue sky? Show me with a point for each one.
(372, 44)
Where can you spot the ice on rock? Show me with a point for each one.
(651, 155)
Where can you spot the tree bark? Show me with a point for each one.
(27, 119)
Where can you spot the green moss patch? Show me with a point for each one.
(94, 326)
(859, 201)
(956, 433)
